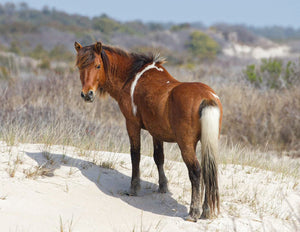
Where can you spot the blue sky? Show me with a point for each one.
(250, 12)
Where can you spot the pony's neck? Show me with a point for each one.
(118, 73)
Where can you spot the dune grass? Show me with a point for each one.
(257, 124)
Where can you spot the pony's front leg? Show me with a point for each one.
(134, 132)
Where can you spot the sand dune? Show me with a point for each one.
(257, 52)
(47, 188)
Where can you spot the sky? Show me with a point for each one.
(250, 12)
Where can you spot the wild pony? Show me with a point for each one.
(172, 111)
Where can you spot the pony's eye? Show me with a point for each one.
(98, 66)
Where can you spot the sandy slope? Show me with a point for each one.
(62, 188)
(245, 51)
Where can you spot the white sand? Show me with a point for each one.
(79, 195)
(244, 51)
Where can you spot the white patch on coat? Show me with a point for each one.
(216, 96)
(134, 83)
(168, 82)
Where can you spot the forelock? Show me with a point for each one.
(85, 57)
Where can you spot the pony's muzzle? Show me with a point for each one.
(89, 97)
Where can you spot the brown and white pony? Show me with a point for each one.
(172, 111)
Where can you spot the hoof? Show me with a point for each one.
(189, 218)
(128, 193)
(163, 188)
(131, 193)
(205, 214)
(134, 188)
(194, 214)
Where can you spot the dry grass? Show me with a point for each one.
(65, 227)
(50, 111)
(37, 171)
(259, 119)
(266, 160)
(107, 165)
(142, 228)
(13, 163)
(3, 198)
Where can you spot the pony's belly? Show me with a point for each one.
(160, 132)
(163, 137)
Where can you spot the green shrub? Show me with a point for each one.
(272, 69)
(272, 66)
(291, 73)
(180, 27)
(39, 52)
(4, 73)
(105, 24)
(15, 48)
(8, 66)
(60, 52)
(45, 64)
(272, 74)
(202, 46)
(252, 75)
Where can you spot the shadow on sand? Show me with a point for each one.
(114, 183)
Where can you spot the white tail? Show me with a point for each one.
(210, 128)
(209, 117)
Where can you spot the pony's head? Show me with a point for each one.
(92, 63)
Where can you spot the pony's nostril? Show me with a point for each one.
(90, 93)
(82, 95)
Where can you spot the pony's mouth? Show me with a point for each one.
(90, 100)
(88, 97)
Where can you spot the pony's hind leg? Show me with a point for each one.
(192, 163)
(159, 161)
(134, 137)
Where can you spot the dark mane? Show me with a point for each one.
(86, 57)
(115, 50)
(139, 60)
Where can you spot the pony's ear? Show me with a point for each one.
(98, 47)
(77, 46)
